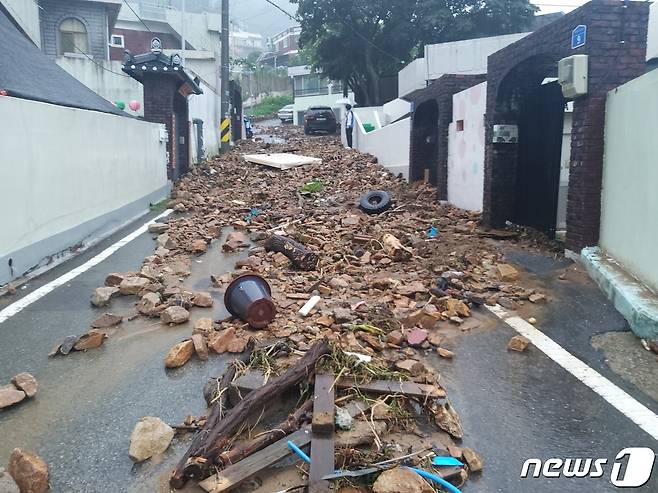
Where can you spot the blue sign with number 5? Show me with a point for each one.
(578, 36)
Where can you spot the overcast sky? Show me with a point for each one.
(261, 17)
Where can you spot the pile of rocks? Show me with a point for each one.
(394, 286)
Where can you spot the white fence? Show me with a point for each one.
(390, 144)
(629, 202)
(68, 176)
(412, 77)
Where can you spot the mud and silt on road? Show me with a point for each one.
(393, 286)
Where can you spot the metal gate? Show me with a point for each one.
(539, 149)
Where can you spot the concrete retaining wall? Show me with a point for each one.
(390, 144)
(629, 202)
(68, 176)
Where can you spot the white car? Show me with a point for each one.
(285, 113)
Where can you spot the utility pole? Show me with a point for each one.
(182, 30)
(225, 128)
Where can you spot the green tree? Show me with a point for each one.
(360, 41)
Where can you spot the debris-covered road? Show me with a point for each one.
(405, 287)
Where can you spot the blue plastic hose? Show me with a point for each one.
(433, 477)
(299, 452)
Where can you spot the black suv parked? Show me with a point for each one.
(319, 118)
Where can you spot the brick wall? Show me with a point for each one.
(93, 16)
(512, 70)
(441, 90)
(159, 94)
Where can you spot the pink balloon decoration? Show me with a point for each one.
(134, 105)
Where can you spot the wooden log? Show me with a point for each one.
(290, 425)
(217, 433)
(322, 439)
(299, 255)
(216, 394)
(395, 249)
(235, 474)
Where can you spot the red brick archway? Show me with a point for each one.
(616, 45)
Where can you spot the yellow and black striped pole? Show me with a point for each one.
(225, 132)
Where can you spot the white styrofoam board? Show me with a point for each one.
(281, 160)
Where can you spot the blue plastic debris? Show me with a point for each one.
(299, 452)
(433, 232)
(446, 461)
(433, 477)
(252, 214)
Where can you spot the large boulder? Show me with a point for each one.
(149, 305)
(179, 354)
(133, 285)
(29, 471)
(202, 299)
(90, 340)
(103, 295)
(27, 383)
(401, 480)
(10, 395)
(174, 315)
(150, 437)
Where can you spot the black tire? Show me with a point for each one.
(307, 131)
(375, 202)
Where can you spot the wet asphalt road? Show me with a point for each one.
(513, 406)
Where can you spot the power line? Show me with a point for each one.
(140, 19)
(381, 50)
(282, 10)
(98, 64)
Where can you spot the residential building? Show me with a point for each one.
(313, 89)
(24, 14)
(77, 27)
(75, 168)
(282, 47)
(243, 43)
(88, 38)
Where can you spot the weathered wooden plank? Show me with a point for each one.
(235, 474)
(386, 387)
(207, 445)
(322, 442)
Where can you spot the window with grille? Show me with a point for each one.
(73, 37)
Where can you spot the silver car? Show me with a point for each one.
(285, 113)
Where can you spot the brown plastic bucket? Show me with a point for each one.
(249, 298)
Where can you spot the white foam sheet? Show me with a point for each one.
(281, 160)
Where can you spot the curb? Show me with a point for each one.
(636, 302)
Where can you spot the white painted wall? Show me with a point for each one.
(104, 78)
(206, 106)
(652, 35)
(395, 109)
(466, 148)
(465, 57)
(390, 144)
(370, 114)
(26, 14)
(62, 167)
(629, 202)
(412, 77)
